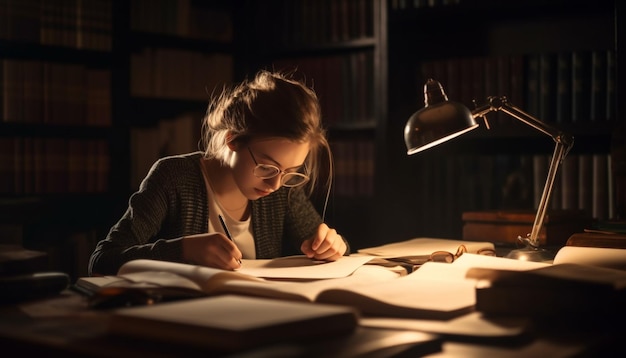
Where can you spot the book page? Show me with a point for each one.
(216, 281)
(411, 296)
(207, 278)
(424, 246)
(594, 256)
(302, 267)
(309, 290)
(434, 291)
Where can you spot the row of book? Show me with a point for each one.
(560, 87)
(314, 21)
(494, 182)
(179, 74)
(183, 18)
(343, 83)
(82, 24)
(54, 93)
(354, 161)
(584, 182)
(31, 165)
(168, 136)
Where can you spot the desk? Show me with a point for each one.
(64, 325)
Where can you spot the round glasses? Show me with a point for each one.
(413, 262)
(445, 256)
(268, 171)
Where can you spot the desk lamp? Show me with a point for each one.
(441, 120)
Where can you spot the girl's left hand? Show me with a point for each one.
(325, 245)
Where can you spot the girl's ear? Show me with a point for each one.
(231, 142)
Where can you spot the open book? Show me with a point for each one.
(371, 289)
(435, 291)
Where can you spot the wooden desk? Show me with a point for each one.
(64, 325)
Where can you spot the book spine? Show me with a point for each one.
(569, 182)
(599, 188)
(598, 98)
(581, 79)
(585, 183)
(564, 87)
(547, 90)
(532, 84)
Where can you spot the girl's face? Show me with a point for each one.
(286, 155)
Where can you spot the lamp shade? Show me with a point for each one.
(439, 120)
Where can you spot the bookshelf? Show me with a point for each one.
(555, 60)
(56, 124)
(367, 60)
(338, 48)
(180, 53)
(85, 83)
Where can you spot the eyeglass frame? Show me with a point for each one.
(416, 261)
(278, 172)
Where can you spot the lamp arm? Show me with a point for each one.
(564, 143)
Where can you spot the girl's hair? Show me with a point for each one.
(273, 104)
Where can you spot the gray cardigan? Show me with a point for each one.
(172, 202)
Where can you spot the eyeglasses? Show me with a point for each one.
(445, 256)
(268, 171)
(414, 262)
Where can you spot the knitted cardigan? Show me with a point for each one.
(172, 202)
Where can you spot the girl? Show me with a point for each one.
(264, 148)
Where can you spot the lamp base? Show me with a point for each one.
(530, 252)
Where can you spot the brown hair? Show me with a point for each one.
(273, 104)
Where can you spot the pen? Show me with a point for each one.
(227, 232)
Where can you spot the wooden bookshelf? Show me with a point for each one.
(544, 59)
(73, 108)
(337, 47)
(366, 59)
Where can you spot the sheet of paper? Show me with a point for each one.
(423, 246)
(301, 267)
(594, 256)
(457, 270)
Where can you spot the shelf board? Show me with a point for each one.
(79, 210)
(35, 51)
(45, 130)
(321, 49)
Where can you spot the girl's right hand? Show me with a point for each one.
(213, 250)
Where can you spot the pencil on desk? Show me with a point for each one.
(227, 232)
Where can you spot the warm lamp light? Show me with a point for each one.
(441, 120)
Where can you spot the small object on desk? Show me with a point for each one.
(22, 287)
(15, 259)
